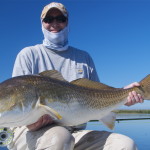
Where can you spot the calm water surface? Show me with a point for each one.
(138, 130)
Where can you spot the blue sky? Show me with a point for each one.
(116, 33)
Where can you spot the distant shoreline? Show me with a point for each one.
(139, 111)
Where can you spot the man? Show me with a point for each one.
(56, 54)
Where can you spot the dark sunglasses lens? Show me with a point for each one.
(48, 19)
(59, 19)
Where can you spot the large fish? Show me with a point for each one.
(24, 99)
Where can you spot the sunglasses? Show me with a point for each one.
(59, 19)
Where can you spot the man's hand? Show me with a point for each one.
(133, 97)
(43, 121)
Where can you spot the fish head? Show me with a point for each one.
(15, 96)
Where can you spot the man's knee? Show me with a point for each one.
(58, 138)
(119, 141)
(129, 144)
(103, 140)
(61, 135)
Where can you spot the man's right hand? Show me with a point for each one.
(43, 121)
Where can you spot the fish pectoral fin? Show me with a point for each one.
(54, 114)
(109, 120)
(47, 110)
(92, 84)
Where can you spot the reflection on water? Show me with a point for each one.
(138, 130)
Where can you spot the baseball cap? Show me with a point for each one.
(59, 6)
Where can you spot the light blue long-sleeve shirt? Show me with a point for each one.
(72, 63)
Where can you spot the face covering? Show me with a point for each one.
(57, 41)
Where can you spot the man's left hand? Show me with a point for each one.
(133, 97)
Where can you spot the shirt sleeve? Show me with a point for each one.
(22, 65)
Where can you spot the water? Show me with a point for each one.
(138, 130)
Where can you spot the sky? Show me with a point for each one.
(116, 33)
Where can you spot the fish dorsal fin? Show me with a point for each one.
(52, 74)
(91, 84)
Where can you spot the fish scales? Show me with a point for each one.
(24, 99)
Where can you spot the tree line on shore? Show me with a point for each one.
(135, 111)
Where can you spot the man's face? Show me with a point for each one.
(54, 21)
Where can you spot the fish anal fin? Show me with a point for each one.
(109, 120)
(52, 74)
(92, 84)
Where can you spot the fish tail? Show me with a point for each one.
(145, 87)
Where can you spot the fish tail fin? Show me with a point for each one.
(145, 87)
